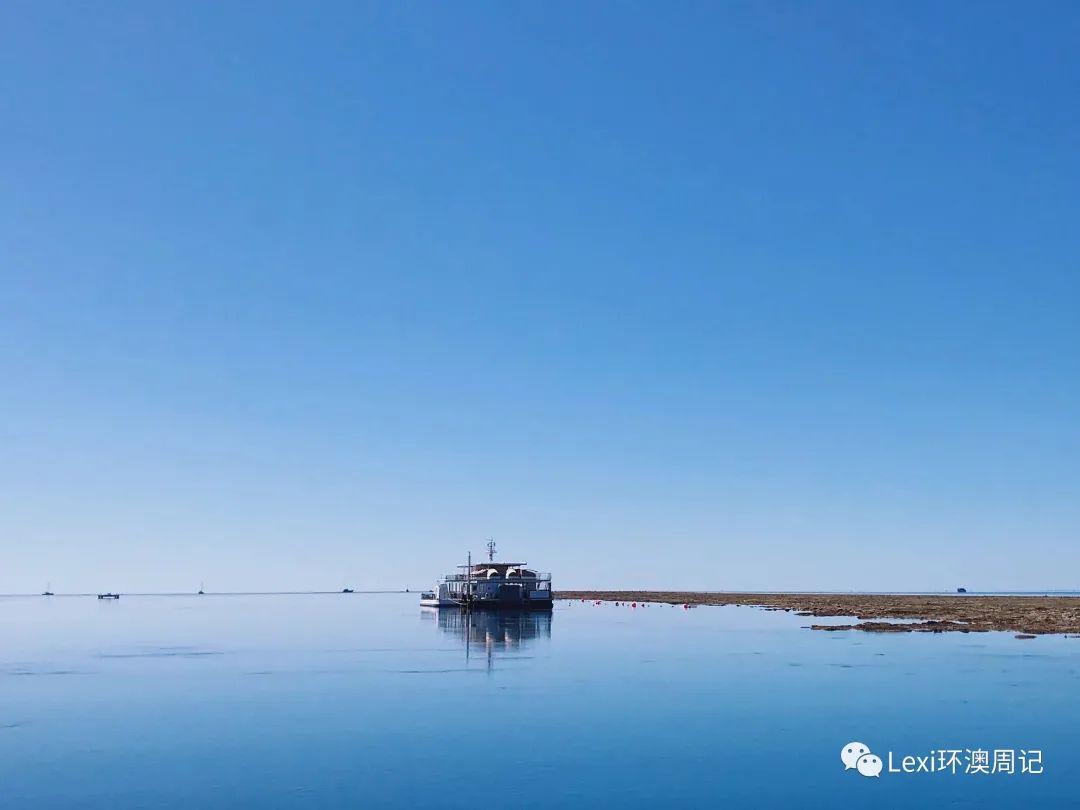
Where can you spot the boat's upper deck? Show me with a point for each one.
(499, 570)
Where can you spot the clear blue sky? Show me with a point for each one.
(718, 295)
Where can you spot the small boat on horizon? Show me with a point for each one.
(347, 590)
(48, 590)
(201, 591)
(108, 596)
(492, 586)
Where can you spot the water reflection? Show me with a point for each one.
(493, 632)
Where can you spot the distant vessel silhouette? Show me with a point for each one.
(346, 590)
(48, 590)
(108, 596)
(201, 591)
(961, 590)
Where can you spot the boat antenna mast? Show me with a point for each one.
(491, 549)
(468, 584)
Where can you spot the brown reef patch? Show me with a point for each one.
(1024, 615)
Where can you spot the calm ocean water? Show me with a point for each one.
(317, 701)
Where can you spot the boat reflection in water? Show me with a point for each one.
(495, 633)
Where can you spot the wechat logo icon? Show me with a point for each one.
(856, 755)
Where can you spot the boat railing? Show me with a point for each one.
(543, 576)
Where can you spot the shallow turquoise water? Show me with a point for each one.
(308, 701)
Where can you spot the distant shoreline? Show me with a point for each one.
(963, 613)
(59, 595)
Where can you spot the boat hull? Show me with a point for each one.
(489, 604)
(535, 604)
